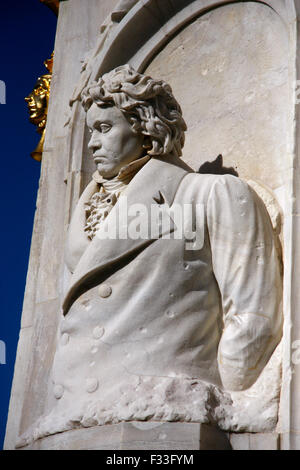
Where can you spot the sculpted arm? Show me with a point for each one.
(246, 267)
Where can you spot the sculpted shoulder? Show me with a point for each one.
(201, 187)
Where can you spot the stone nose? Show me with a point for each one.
(95, 142)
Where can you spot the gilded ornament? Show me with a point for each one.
(37, 102)
(52, 4)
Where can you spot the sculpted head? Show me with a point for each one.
(37, 101)
(130, 115)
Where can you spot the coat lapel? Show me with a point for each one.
(155, 184)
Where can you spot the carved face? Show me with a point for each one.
(38, 101)
(113, 142)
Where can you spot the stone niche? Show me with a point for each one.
(229, 71)
(232, 68)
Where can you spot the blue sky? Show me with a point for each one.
(27, 33)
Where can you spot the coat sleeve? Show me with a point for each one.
(247, 269)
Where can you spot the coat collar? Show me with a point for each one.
(155, 183)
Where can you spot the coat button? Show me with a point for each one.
(98, 332)
(91, 385)
(104, 290)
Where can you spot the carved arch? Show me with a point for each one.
(150, 24)
(140, 35)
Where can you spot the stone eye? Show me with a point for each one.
(104, 128)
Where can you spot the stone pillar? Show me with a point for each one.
(289, 412)
(77, 31)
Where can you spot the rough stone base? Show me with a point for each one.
(137, 436)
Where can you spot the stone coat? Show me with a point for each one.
(151, 327)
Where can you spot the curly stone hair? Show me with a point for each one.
(148, 105)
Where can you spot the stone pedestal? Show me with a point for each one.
(138, 436)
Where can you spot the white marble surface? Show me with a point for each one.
(142, 341)
(267, 164)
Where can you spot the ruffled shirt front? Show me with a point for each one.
(102, 202)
